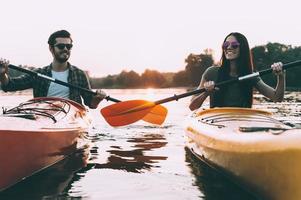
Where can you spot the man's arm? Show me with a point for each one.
(91, 100)
(4, 71)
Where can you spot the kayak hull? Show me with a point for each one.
(28, 146)
(265, 163)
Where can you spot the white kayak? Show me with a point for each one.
(255, 150)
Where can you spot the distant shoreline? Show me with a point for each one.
(293, 89)
(289, 89)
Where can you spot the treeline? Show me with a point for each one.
(265, 55)
(190, 76)
(131, 79)
(196, 64)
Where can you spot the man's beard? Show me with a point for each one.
(62, 59)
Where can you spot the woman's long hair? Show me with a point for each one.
(244, 67)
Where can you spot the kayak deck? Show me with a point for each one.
(251, 147)
(30, 144)
(44, 114)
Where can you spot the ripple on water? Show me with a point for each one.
(140, 161)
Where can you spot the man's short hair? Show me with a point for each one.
(58, 34)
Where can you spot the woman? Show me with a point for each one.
(236, 61)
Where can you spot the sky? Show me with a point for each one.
(115, 35)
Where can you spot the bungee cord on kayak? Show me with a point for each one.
(241, 118)
(41, 132)
(30, 110)
(231, 116)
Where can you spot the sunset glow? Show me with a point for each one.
(150, 93)
(110, 36)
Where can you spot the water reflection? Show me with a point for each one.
(287, 111)
(214, 185)
(140, 148)
(134, 158)
(52, 183)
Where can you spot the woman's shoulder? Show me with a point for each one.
(211, 72)
(213, 68)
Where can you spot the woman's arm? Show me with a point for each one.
(275, 94)
(198, 100)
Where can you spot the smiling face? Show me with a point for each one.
(231, 48)
(61, 49)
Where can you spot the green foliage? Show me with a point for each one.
(265, 55)
(129, 79)
(196, 66)
(153, 78)
(181, 79)
(107, 82)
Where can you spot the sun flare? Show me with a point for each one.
(150, 93)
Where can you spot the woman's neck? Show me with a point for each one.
(233, 68)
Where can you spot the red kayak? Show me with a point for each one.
(37, 134)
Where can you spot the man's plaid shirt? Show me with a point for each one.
(40, 86)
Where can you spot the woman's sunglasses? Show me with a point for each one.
(62, 46)
(234, 44)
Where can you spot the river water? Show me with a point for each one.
(138, 161)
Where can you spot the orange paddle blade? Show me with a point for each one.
(156, 115)
(126, 112)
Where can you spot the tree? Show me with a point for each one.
(181, 79)
(265, 55)
(196, 66)
(109, 81)
(128, 79)
(152, 78)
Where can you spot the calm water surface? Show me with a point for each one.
(139, 161)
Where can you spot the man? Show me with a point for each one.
(60, 45)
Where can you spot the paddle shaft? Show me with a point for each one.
(228, 82)
(33, 73)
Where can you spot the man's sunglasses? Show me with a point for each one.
(234, 44)
(62, 46)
